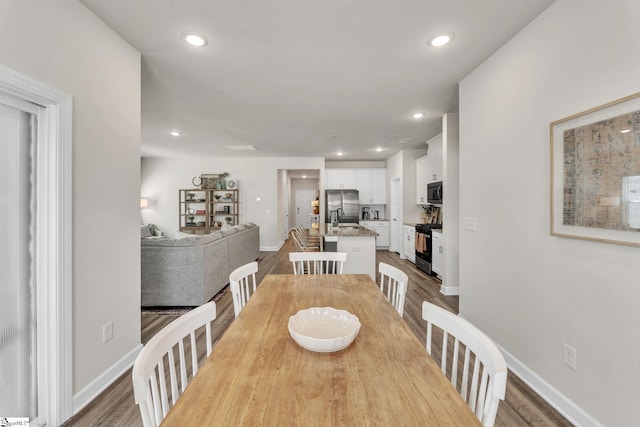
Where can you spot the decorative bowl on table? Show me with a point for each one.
(323, 329)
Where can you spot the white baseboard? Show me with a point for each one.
(449, 290)
(572, 412)
(97, 386)
(272, 248)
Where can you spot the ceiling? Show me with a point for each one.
(297, 78)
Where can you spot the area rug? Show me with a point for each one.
(179, 311)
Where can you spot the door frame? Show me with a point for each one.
(53, 266)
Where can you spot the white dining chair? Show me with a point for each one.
(317, 262)
(242, 282)
(150, 368)
(393, 284)
(485, 386)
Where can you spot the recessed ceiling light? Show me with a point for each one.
(379, 149)
(339, 153)
(195, 39)
(176, 133)
(440, 39)
(404, 140)
(417, 115)
(625, 131)
(334, 136)
(240, 147)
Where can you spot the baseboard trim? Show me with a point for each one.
(572, 412)
(97, 386)
(449, 290)
(272, 248)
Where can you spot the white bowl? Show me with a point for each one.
(323, 329)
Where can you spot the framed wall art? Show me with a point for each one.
(210, 181)
(595, 174)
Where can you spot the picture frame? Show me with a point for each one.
(595, 174)
(211, 181)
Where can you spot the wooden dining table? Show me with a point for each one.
(258, 375)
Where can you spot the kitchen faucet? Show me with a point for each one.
(338, 214)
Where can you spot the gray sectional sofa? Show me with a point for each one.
(189, 271)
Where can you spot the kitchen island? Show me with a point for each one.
(357, 242)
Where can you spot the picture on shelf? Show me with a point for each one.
(212, 181)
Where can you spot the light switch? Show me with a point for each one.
(471, 224)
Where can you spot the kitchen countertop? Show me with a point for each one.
(347, 230)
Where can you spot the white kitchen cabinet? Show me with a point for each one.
(379, 186)
(421, 180)
(409, 243)
(341, 179)
(435, 159)
(361, 255)
(380, 227)
(372, 186)
(437, 253)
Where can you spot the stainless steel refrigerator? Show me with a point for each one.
(343, 203)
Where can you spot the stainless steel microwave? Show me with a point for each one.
(434, 193)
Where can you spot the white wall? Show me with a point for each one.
(257, 177)
(65, 46)
(451, 213)
(529, 291)
(403, 165)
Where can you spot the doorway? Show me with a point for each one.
(304, 208)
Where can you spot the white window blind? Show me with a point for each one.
(17, 290)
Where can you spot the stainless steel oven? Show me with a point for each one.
(424, 246)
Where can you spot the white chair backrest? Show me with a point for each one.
(393, 283)
(242, 282)
(149, 378)
(317, 262)
(302, 244)
(482, 389)
(302, 231)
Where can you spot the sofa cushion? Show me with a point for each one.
(216, 234)
(228, 231)
(180, 235)
(195, 240)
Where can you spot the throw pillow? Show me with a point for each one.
(145, 231)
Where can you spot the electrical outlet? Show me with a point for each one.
(570, 356)
(107, 332)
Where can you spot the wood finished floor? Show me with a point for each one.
(115, 406)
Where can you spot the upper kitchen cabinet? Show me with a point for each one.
(341, 179)
(421, 180)
(429, 168)
(435, 160)
(372, 186)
